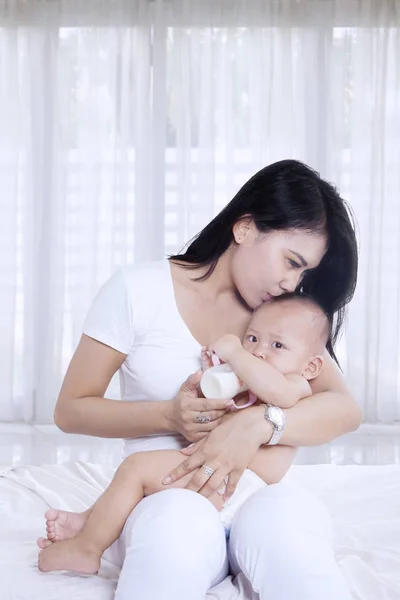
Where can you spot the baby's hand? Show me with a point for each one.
(226, 345)
(206, 360)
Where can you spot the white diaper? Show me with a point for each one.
(249, 484)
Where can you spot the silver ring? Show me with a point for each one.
(209, 471)
(202, 418)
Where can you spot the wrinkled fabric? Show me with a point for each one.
(363, 501)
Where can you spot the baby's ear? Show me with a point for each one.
(313, 368)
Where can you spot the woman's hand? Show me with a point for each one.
(192, 416)
(227, 451)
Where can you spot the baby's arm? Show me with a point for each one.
(261, 378)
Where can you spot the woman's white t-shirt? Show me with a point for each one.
(135, 312)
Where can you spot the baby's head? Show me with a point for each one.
(289, 332)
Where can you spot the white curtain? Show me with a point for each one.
(126, 125)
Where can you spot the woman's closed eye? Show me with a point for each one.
(294, 264)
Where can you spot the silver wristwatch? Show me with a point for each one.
(276, 416)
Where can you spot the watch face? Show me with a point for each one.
(277, 416)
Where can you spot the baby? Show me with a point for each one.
(289, 335)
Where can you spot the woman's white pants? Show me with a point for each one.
(174, 547)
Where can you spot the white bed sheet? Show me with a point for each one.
(364, 503)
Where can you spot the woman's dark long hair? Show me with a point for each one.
(290, 195)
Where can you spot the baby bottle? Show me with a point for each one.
(221, 382)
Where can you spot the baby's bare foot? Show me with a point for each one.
(62, 525)
(43, 542)
(69, 555)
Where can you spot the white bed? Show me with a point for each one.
(364, 503)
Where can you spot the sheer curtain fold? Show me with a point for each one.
(125, 126)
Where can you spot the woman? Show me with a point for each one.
(285, 229)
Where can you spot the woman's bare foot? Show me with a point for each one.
(62, 525)
(69, 555)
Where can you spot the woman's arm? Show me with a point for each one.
(230, 448)
(82, 408)
(329, 413)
